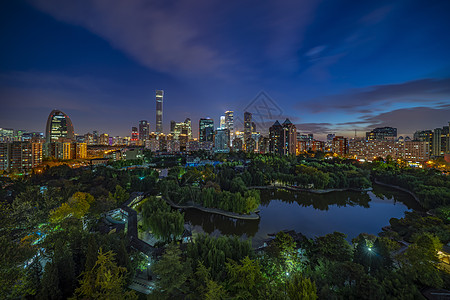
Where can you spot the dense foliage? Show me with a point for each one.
(52, 248)
(164, 223)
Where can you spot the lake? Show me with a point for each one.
(311, 214)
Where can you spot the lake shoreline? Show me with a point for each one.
(191, 205)
(314, 191)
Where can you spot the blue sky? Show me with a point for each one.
(330, 66)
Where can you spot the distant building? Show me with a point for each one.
(222, 124)
(221, 140)
(144, 130)
(440, 141)
(382, 133)
(247, 126)
(6, 135)
(339, 145)
(317, 146)
(206, 130)
(67, 150)
(58, 126)
(283, 138)
(229, 123)
(159, 111)
(416, 151)
(301, 147)
(238, 144)
(134, 135)
(263, 144)
(103, 139)
(20, 155)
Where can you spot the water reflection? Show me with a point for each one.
(312, 214)
(225, 225)
(317, 201)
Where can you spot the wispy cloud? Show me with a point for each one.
(382, 96)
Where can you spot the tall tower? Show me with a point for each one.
(159, 111)
(229, 123)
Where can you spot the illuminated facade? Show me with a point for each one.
(221, 140)
(159, 111)
(20, 155)
(339, 145)
(58, 126)
(206, 130)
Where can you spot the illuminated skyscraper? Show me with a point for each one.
(206, 130)
(58, 126)
(247, 128)
(159, 111)
(222, 122)
(229, 121)
(144, 130)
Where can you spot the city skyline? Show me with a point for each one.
(357, 67)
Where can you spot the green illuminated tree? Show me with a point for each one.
(105, 280)
(300, 288)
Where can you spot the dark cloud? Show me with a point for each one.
(315, 127)
(418, 91)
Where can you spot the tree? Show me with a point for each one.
(171, 271)
(105, 280)
(120, 195)
(420, 260)
(50, 283)
(300, 288)
(244, 279)
(77, 207)
(332, 246)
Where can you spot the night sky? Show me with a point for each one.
(330, 66)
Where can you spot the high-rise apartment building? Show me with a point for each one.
(339, 145)
(206, 130)
(283, 138)
(159, 111)
(20, 155)
(58, 126)
(144, 130)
